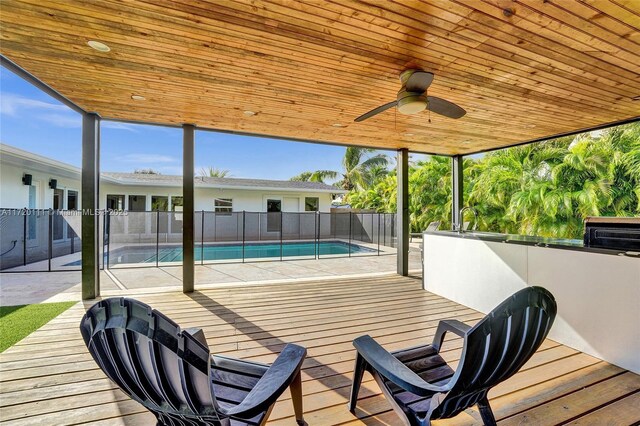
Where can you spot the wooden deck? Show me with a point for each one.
(50, 379)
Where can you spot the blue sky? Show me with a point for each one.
(33, 121)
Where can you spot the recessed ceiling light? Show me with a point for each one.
(249, 113)
(337, 125)
(529, 126)
(466, 142)
(99, 46)
(409, 134)
(138, 97)
(636, 98)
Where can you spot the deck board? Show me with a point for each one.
(49, 377)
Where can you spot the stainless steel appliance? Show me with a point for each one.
(619, 233)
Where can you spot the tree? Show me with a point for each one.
(359, 170)
(357, 165)
(317, 176)
(545, 189)
(512, 189)
(375, 174)
(429, 193)
(214, 172)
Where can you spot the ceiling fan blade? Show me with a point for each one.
(419, 81)
(444, 107)
(375, 111)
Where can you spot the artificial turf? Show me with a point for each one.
(16, 322)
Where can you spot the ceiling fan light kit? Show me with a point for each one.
(411, 102)
(412, 98)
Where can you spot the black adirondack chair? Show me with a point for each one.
(171, 373)
(421, 386)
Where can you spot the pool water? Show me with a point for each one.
(147, 254)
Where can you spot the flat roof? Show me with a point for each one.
(522, 70)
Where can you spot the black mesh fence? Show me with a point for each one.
(40, 240)
(46, 240)
(12, 242)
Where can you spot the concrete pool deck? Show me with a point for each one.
(37, 287)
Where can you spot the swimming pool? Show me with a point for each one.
(147, 254)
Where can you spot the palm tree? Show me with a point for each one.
(543, 189)
(357, 166)
(430, 192)
(625, 170)
(317, 176)
(360, 170)
(376, 174)
(513, 189)
(214, 172)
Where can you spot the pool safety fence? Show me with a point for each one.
(49, 240)
(35, 239)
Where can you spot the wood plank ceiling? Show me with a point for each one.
(522, 70)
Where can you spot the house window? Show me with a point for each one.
(72, 200)
(274, 206)
(311, 204)
(115, 202)
(274, 215)
(159, 203)
(72, 204)
(223, 205)
(176, 203)
(137, 203)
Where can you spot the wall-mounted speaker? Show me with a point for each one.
(53, 183)
(26, 179)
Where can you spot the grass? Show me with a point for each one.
(17, 322)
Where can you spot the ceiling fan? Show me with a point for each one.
(412, 98)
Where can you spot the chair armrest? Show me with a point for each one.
(453, 326)
(197, 334)
(271, 385)
(391, 368)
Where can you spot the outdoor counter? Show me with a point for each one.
(597, 290)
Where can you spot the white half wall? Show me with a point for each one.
(598, 295)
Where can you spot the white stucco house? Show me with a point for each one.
(41, 184)
(29, 180)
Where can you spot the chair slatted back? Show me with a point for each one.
(498, 346)
(152, 360)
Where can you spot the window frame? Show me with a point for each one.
(223, 209)
(160, 200)
(123, 197)
(317, 207)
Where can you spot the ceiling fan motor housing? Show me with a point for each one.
(412, 98)
(411, 102)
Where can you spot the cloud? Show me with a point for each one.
(118, 126)
(12, 104)
(146, 158)
(69, 121)
(51, 113)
